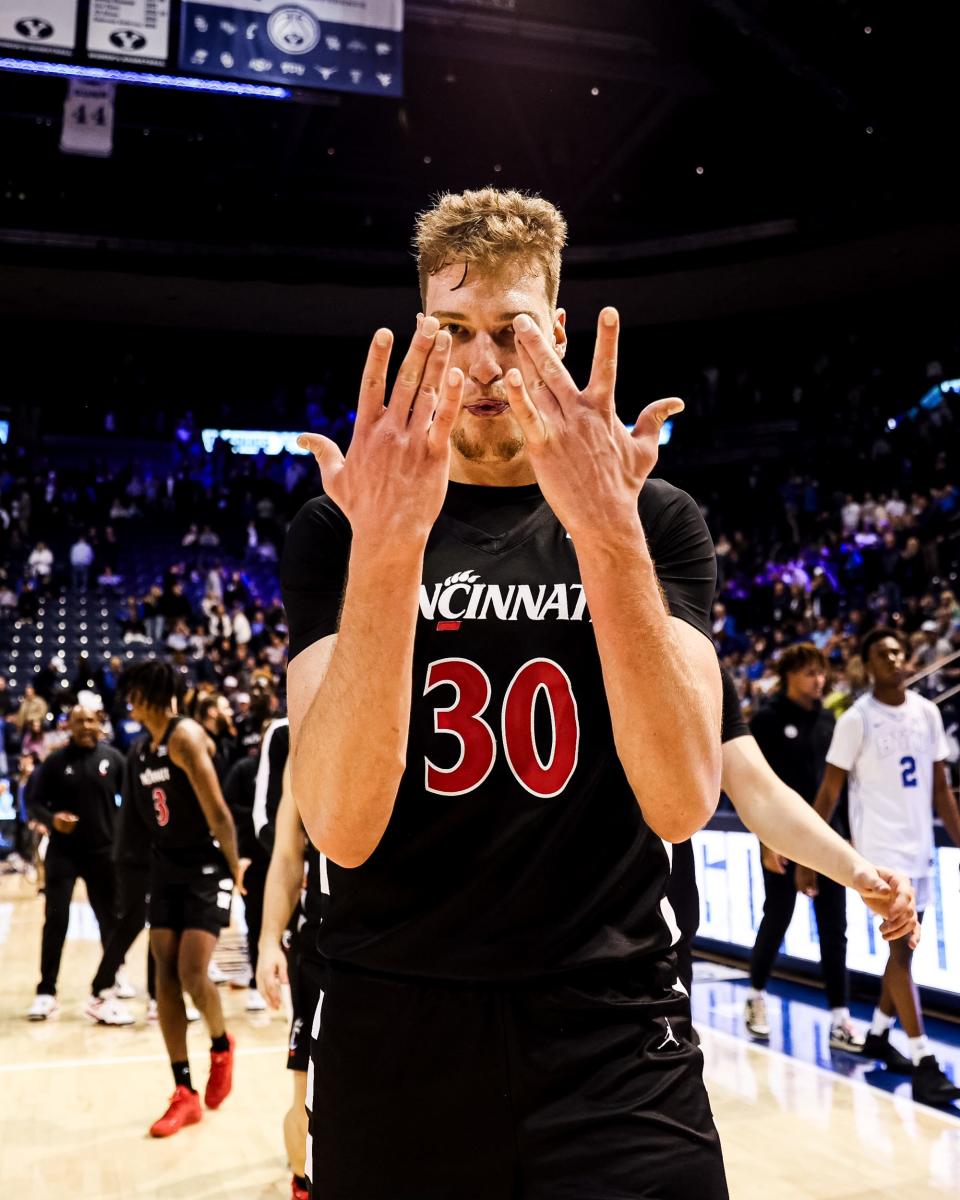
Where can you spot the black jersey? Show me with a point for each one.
(516, 847)
(682, 893)
(168, 803)
(86, 782)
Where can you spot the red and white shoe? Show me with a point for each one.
(184, 1109)
(297, 1192)
(221, 1076)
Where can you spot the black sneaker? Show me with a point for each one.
(877, 1045)
(930, 1085)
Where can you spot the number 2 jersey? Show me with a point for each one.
(889, 751)
(516, 848)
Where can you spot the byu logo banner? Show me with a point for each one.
(134, 31)
(341, 45)
(39, 26)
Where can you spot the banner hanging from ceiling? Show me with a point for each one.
(341, 45)
(39, 26)
(88, 118)
(135, 31)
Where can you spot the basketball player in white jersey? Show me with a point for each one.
(891, 750)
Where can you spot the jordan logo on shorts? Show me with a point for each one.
(670, 1038)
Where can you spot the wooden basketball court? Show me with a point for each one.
(76, 1101)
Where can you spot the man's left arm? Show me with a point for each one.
(660, 672)
(188, 750)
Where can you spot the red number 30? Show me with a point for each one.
(478, 746)
(162, 812)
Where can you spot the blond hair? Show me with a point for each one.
(487, 227)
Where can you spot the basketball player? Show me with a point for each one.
(497, 717)
(75, 797)
(293, 854)
(891, 750)
(793, 732)
(787, 825)
(191, 880)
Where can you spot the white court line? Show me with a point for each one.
(927, 1109)
(60, 1064)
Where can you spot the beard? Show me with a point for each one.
(474, 450)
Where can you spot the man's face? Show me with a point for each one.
(887, 663)
(808, 682)
(84, 727)
(479, 316)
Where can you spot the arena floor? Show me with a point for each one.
(76, 1099)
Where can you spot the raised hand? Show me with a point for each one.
(392, 482)
(589, 467)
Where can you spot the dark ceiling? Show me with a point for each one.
(673, 134)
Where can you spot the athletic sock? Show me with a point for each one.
(219, 1044)
(181, 1074)
(839, 1015)
(881, 1023)
(919, 1048)
(755, 993)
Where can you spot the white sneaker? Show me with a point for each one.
(107, 1010)
(153, 1016)
(43, 1008)
(255, 1002)
(215, 974)
(843, 1036)
(123, 989)
(193, 1014)
(755, 1017)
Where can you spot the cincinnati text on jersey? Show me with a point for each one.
(462, 597)
(154, 775)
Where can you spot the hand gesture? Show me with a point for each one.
(890, 895)
(393, 480)
(65, 822)
(271, 972)
(589, 468)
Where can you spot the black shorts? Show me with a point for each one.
(587, 1089)
(306, 972)
(195, 896)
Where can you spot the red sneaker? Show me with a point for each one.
(221, 1076)
(297, 1192)
(184, 1110)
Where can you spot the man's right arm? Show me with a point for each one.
(348, 697)
(284, 880)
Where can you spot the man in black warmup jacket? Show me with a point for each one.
(76, 798)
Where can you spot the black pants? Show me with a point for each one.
(254, 881)
(576, 1089)
(63, 869)
(830, 907)
(131, 916)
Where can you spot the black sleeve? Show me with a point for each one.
(238, 794)
(313, 572)
(682, 552)
(40, 800)
(734, 726)
(763, 728)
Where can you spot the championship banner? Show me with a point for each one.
(341, 45)
(39, 26)
(88, 118)
(129, 31)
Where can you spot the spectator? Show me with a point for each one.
(40, 563)
(81, 560)
(32, 708)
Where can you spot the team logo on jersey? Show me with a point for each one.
(670, 1039)
(154, 775)
(462, 596)
(104, 767)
